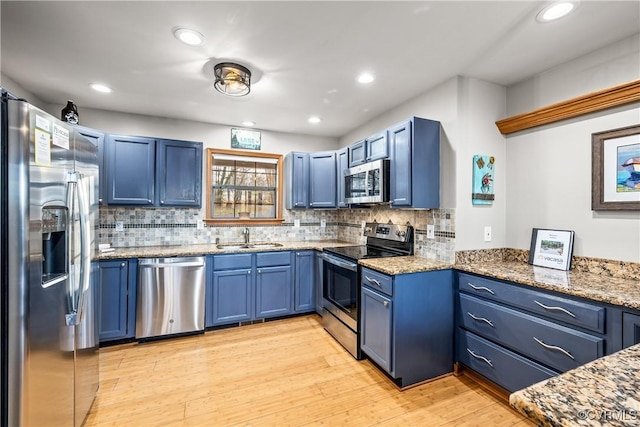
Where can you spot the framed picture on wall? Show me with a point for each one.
(551, 248)
(615, 170)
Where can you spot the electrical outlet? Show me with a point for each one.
(323, 223)
(119, 225)
(200, 225)
(487, 233)
(431, 231)
(296, 223)
(363, 224)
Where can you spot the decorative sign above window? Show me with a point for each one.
(483, 172)
(245, 139)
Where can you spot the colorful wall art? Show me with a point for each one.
(483, 175)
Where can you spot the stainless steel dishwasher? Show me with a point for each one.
(170, 296)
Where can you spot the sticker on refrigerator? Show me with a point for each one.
(42, 152)
(60, 136)
(43, 123)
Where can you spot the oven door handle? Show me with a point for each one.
(339, 262)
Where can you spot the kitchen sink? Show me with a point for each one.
(232, 246)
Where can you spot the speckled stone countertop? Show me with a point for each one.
(190, 250)
(604, 392)
(597, 287)
(403, 264)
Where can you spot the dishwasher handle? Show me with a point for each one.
(159, 263)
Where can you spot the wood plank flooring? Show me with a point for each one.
(281, 373)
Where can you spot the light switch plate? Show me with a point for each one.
(200, 225)
(119, 225)
(323, 223)
(296, 223)
(487, 233)
(431, 231)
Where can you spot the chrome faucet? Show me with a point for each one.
(246, 235)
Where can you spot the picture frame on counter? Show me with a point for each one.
(551, 248)
(615, 179)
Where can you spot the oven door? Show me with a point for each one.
(340, 289)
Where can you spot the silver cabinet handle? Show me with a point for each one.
(259, 271)
(248, 271)
(122, 265)
(148, 200)
(554, 347)
(481, 288)
(385, 303)
(481, 319)
(374, 281)
(477, 356)
(552, 308)
(162, 202)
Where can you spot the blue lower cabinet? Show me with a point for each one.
(304, 282)
(407, 324)
(630, 329)
(273, 291)
(117, 299)
(498, 364)
(232, 296)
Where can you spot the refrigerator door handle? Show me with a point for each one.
(85, 256)
(72, 305)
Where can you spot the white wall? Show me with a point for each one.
(549, 168)
(9, 84)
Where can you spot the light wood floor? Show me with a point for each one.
(279, 373)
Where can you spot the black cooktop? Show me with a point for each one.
(361, 252)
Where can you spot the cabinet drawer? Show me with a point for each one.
(554, 345)
(498, 364)
(231, 261)
(271, 259)
(578, 313)
(378, 281)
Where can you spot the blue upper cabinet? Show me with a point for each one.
(97, 138)
(377, 146)
(152, 172)
(414, 148)
(130, 164)
(322, 180)
(357, 153)
(342, 159)
(179, 173)
(296, 167)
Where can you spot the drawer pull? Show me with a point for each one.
(481, 319)
(548, 307)
(477, 356)
(481, 288)
(374, 281)
(554, 347)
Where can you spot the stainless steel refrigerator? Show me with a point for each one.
(48, 298)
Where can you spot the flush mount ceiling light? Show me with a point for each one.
(187, 36)
(314, 120)
(99, 87)
(556, 10)
(232, 79)
(365, 78)
(248, 123)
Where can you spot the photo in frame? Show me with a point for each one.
(615, 179)
(551, 248)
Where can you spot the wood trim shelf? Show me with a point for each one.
(596, 101)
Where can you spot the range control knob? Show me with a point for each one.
(401, 234)
(367, 229)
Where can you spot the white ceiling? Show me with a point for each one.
(304, 55)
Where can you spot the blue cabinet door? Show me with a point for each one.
(304, 292)
(377, 147)
(400, 179)
(179, 173)
(97, 138)
(232, 296)
(375, 335)
(357, 153)
(130, 164)
(322, 180)
(343, 163)
(114, 290)
(274, 289)
(297, 180)
(630, 329)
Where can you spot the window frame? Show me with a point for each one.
(209, 220)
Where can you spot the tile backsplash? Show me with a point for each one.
(180, 226)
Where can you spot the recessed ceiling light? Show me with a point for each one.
(314, 119)
(556, 10)
(99, 87)
(187, 36)
(248, 123)
(365, 78)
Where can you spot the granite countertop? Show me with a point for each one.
(602, 392)
(204, 249)
(403, 264)
(597, 287)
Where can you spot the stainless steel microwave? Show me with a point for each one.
(367, 183)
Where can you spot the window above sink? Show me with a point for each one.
(243, 187)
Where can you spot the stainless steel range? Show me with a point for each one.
(341, 279)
